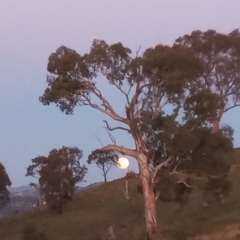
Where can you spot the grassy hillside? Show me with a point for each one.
(89, 216)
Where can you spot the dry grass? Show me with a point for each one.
(92, 212)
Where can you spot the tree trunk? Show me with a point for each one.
(39, 195)
(149, 199)
(105, 177)
(216, 125)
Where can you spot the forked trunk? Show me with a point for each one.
(149, 199)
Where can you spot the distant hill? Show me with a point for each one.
(24, 198)
(20, 189)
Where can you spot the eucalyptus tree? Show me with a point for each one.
(150, 82)
(220, 57)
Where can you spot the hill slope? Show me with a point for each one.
(89, 216)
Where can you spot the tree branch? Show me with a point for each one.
(85, 99)
(126, 94)
(161, 165)
(115, 128)
(120, 149)
(229, 108)
(137, 52)
(111, 136)
(175, 170)
(99, 140)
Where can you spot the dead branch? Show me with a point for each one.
(137, 52)
(161, 165)
(182, 181)
(116, 128)
(111, 136)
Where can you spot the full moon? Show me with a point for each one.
(123, 163)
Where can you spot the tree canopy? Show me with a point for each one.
(58, 174)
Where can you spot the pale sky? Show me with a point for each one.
(30, 30)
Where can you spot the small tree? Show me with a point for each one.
(4, 183)
(58, 173)
(104, 161)
(220, 56)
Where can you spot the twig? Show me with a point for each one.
(137, 52)
(182, 181)
(99, 140)
(111, 136)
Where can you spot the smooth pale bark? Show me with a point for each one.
(216, 125)
(149, 199)
(39, 195)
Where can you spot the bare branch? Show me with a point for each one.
(105, 107)
(175, 170)
(116, 128)
(111, 136)
(161, 165)
(235, 105)
(137, 52)
(99, 140)
(182, 181)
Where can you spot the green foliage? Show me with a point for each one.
(217, 188)
(219, 54)
(58, 173)
(103, 160)
(166, 71)
(4, 183)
